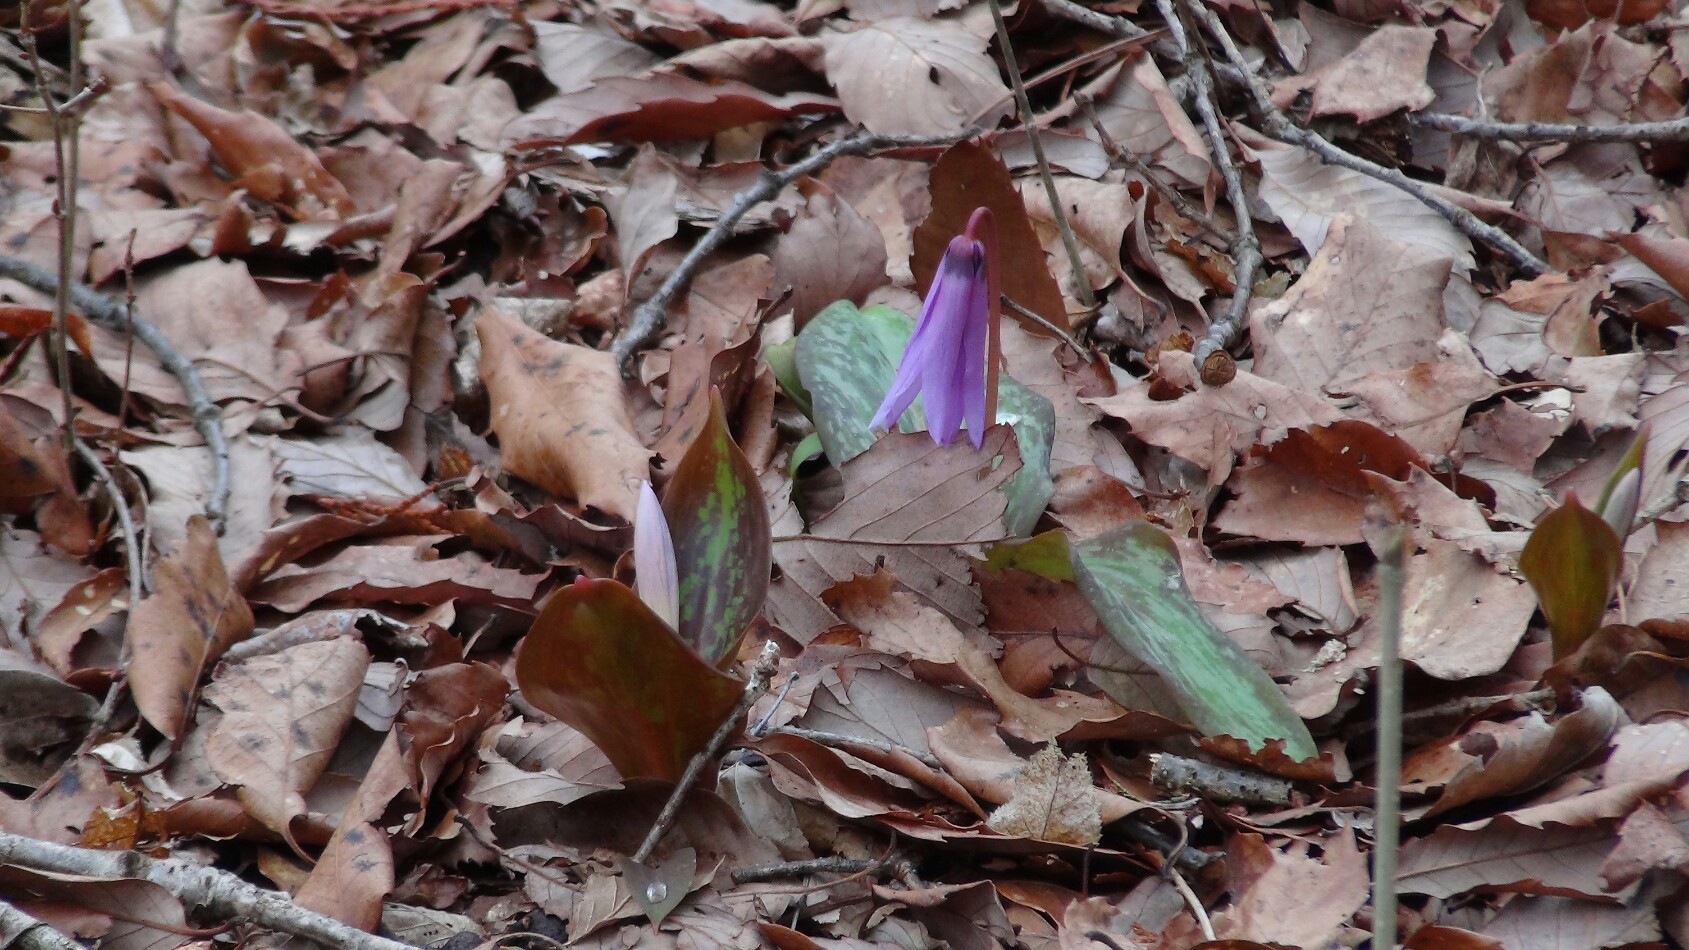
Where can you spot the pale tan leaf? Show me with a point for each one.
(1051, 801)
(909, 76)
(561, 417)
(283, 716)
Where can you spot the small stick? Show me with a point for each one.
(840, 739)
(1246, 249)
(1280, 127)
(1672, 130)
(1387, 824)
(1124, 155)
(132, 553)
(1071, 243)
(1038, 318)
(647, 319)
(108, 313)
(761, 674)
(801, 869)
(27, 933)
(1179, 774)
(220, 894)
(1192, 901)
(1126, 29)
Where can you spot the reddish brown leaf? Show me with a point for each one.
(599, 659)
(657, 108)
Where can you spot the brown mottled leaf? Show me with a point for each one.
(561, 417)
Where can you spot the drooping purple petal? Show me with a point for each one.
(946, 354)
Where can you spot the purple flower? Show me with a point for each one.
(655, 578)
(946, 361)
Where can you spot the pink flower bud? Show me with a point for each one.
(655, 578)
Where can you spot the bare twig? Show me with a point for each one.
(1126, 29)
(108, 313)
(1126, 156)
(647, 319)
(1672, 130)
(1179, 774)
(66, 146)
(1246, 250)
(132, 554)
(1071, 243)
(801, 869)
(23, 932)
(220, 894)
(1387, 830)
(1277, 125)
(1193, 902)
(841, 739)
(1038, 318)
(761, 673)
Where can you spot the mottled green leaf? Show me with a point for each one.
(1572, 561)
(600, 660)
(723, 548)
(847, 359)
(782, 358)
(1131, 578)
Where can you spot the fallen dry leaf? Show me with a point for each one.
(560, 416)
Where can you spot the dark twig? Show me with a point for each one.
(221, 895)
(648, 318)
(1387, 827)
(1038, 318)
(761, 673)
(66, 148)
(1246, 249)
(1081, 283)
(1126, 156)
(132, 553)
(1280, 127)
(840, 739)
(1126, 29)
(108, 313)
(1673, 130)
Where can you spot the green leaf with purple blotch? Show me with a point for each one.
(1131, 578)
(723, 548)
(600, 660)
(1572, 561)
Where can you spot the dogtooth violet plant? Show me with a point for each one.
(855, 371)
(641, 673)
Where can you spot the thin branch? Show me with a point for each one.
(647, 319)
(1387, 826)
(761, 673)
(1193, 902)
(220, 894)
(1126, 29)
(1246, 250)
(108, 313)
(801, 869)
(1126, 156)
(1081, 283)
(841, 739)
(23, 932)
(1038, 318)
(820, 539)
(1280, 127)
(132, 554)
(1672, 130)
(1217, 782)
